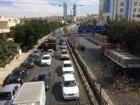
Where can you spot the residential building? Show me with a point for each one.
(116, 9)
(6, 23)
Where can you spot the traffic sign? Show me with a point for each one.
(90, 29)
(98, 29)
(85, 29)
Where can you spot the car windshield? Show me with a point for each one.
(67, 65)
(49, 51)
(69, 83)
(16, 73)
(35, 52)
(64, 52)
(46, 58)
(5, 96)
(30, 60)
(43, 77)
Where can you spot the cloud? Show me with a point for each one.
(38, 7)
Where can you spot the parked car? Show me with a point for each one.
(67, 67)
(8, 93)
(70, 88)
(51, 52)
(46, 79)
(46, 59)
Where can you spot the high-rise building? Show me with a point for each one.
(65, 9)
(74, 10)
(116, 9)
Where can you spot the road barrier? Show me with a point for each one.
(93, 88)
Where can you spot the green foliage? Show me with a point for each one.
(7, 51)
(30, 32)
(126, 33)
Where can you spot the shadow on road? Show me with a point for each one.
(57, 91)
(59, 71)
(57, 57)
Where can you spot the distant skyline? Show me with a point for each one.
(42, 8)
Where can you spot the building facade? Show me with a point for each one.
(116, 9)
(6, 23)
(65, 10)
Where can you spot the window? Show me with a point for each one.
(139, 9)
(122, 4)
(133, 15)
(121, 10)
(134, 10)
(14, 92)
(138, 15)
(135, 3)
(16, 87)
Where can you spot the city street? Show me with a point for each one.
(54, 94)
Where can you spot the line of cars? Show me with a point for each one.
(70, 89)
(15, 79)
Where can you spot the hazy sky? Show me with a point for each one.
(31, 8)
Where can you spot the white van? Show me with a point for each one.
(31, 93)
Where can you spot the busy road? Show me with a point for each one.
(54, 94)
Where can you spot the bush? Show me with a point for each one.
(126, 33)
(28, 34)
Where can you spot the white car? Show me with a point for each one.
(8, 93)
(65, 55)
(70, 88)
(67, 67)
(50, 51)
(63, 46)
(46, 59)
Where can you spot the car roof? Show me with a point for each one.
(68, 77)
(10, 87)
(67, 62)
(46, 55)
(64, 50)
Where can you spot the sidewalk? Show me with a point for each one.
(18, 59)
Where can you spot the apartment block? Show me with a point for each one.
(116, 9)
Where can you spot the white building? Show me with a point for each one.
(6, 23)
(116, 9)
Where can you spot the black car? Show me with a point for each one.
(43, 47)
(12, 80)
(30, 62)
(34, 57)
(46, 79)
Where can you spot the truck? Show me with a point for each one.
(31, 93)
(52, 43)
(119, 56)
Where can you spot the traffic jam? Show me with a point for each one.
(16, 86)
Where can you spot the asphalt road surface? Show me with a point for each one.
(54, 94)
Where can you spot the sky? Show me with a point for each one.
(41, 8)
